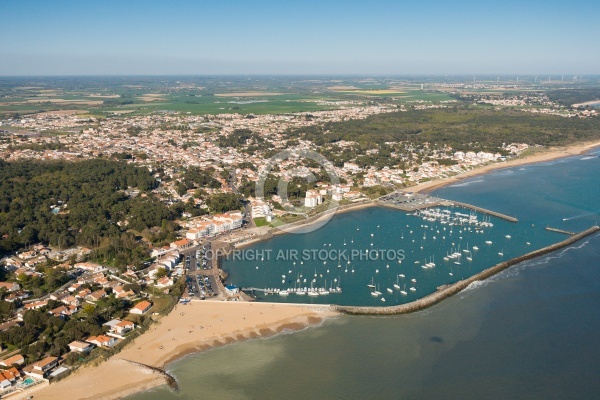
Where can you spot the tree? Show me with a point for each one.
(161, 273)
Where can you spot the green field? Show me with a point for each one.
(139, 96)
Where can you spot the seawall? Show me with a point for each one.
(456, 287)
(486, 211)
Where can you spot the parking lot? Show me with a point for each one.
(200, 282)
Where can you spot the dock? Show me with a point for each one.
(485, 211)
(548, 228)
(410, 202)
(275, 291)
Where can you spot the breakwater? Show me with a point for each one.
(549, 228)
(457, 287)
(410, 202)
(486, 211)
(171, 381)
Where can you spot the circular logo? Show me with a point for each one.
(310, 219)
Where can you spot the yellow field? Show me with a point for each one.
(342, 88)
(63, 112)
(375, 91)
(151, 97)
(64, 101)
(248, 94)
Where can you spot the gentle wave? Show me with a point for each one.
(466, 183)
(516, 269)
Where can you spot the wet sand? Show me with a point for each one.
(188, 329)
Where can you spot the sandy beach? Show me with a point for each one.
(188, 329)
(544, 155)
(202, 325)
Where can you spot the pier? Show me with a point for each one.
(548, 228)
(485, 211)
(410, 202)
(444, 292)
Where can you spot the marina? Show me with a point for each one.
(408, 201)
(450, 290)
(433, 245)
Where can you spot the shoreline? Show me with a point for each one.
(545, 155)
(203, 325)
(290, 228)
(188, 329)
(549, 154)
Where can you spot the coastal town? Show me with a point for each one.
(209, 166)
(329, 199)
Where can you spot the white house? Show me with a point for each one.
(80, 347)
(313, 198)
(102, 340)
(141, 307)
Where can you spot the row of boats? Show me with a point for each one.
(309, 291)
(376, 293)
(450, 218)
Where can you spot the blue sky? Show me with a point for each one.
(302, 37)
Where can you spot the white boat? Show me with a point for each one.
(412, 289)
(377, 293)
(475, 248)
(370, 285)
(383, 299)
(501, 254)
(283, 292)
(402, 276)
(413, 280)
(390, 290)
(488, 242)
(508, 236)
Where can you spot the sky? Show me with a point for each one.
(298, 37)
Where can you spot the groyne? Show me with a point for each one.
(171, 382)
(549, 228)
(457, 287)
(486, 211)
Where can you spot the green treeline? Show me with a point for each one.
(84, 203)
(461, 128)
(568, 97)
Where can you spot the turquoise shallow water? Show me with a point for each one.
(529, 332)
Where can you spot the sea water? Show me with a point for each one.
(528, 332)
